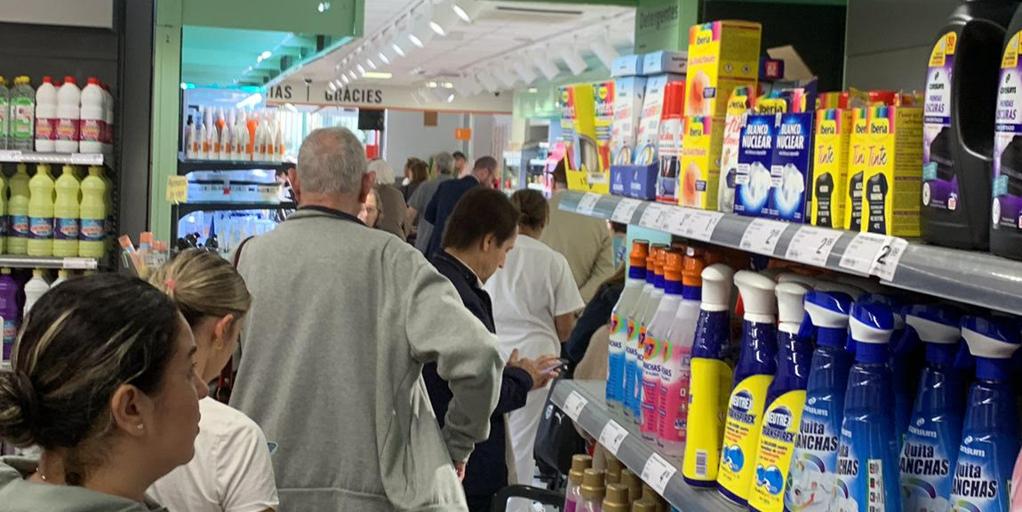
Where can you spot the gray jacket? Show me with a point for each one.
(20, 495)
(343, 318)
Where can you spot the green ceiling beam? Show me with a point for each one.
(343, 18)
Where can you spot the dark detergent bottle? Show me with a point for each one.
(959, 112)
(1006, 204)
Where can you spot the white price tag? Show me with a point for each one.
(574, 404)
(701, 224)
(812, 245)
(587, 204)
(624, 210)
(79, 263)
(676, 220)
(10, 156)
(657, 472)
(762, 235)
(655, 216)
(862, 252)
(612, 435)
(886, 261)
(87, 158)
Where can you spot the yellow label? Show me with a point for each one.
(857, 152)
(1011, 51)
(700, 162)
(578, 128)
(177, 189)
(945, 46)
(776, 445)
(741, 435)
(894, 170)
(707, 405)
(721, 55)
(830, 167)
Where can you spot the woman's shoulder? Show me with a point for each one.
(223, 421)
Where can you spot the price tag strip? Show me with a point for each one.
(812, 245)
(657, 472)
(79, 263)
(863, 251)
(655, 216)
(574, 404)
(612, 435)
(624, 210)
(701, 223)
(886, 261)
(587, 204)
(761, 236)
(676, 219)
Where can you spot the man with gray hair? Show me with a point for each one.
(443, 162)
(343, 319)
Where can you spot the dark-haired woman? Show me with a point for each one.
(103, 379)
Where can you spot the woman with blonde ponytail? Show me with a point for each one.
(231, 471)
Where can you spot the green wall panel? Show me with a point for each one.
(663, 24)
(343, 18)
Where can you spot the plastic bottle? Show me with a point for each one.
(710, 378)
(791, 277)
(17, 208)
(92, 230)
(868, 452)
(9, 311)
(831, 286)
(62, 275)
(4, 220)
(612, 473)
(67, 214)
(675, 373)
(573, 493)
(5, 113)
(617, 499)
(634, 484)
(990, 434)
(753, 375)
(654, 357)
(40, 212)
(69, 110)
(645, 360)
(46, 116)
(813, 471)
(593, 491)
(619, 323)
(34, 289)
(633, 363)
(785, 399)
(930, 449)
(93, 117)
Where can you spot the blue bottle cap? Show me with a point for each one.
(828, 309)
(890, 301)
(935, 323)
(991, 337)
(871, 322)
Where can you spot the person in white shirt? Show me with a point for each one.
(534, 303)
(231, 470)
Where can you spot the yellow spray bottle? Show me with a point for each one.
(40, 212)
(17, 213)
(92, 234)
(753, 375)
(66, 211)
(710, 378)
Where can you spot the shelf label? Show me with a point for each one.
(862, 252)
(655, 216)
(701, 223)
(612, 435)
(10, 156)
(574, 404)
(812, 245)
(79, 263)
(657, 472)
(587, 204)
(675, 220)
(762, 235)
(86, 159)
(887, 259)
(177, 189)
(624, 210)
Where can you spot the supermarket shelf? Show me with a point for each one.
(11, 261)
(186, 166)
(31, 157)
(963, 276)
(634, 452)
(185, 209)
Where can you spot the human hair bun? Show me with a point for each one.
(18, 409)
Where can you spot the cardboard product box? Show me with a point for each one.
(628, 95)
(755, 156)
(830, 166)
(603, 109)
(578, 130)
(858, 152)
(700, 162)
(791, 168)
(626, 65)
(663, 62)
(670, 142)
(722, 55)
(894, 171)
(649, 121)
(737, 110)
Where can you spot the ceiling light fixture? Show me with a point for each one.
(603, 50)
(506, 77)
(397, 48)
(419, 31)
(450, 98)
(525, 72)
(442, 19)
(352, 75)
(323, 7)
(467, 10)
(571, 56)
(263, 56)
(345, 79)
(330, 85)
(361, 69)
(488, 81)
(378, 75)
(370, 63)
(543, 63)
(383, 56)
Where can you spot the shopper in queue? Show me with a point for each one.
(416, 173)
(103, 380)
(343, 319)
(370, 213)
(231, 470)
(449, 193)
(392, 203)
(444, 166)
(460, 162)
(481, 231)
(534, 303)
(585, 242)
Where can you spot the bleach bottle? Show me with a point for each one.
(753, 375)
(34, 289)
(40, 212)
(867, 465)
(654, 353)
(785, 399)
(618, 317)
(930, 449)
(46, 116)
(646, 351)
(990, 435)
(17, 209)
(66, 213)
(675, 373)
(633, 361)
(9, 311)
(711, 378)
(813, 473)
(92, 228)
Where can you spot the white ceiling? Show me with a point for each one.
(501, 31)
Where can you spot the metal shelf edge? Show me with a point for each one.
(52, 262)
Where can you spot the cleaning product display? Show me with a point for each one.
(19, 291)
(57, 116)
(658, 352)
(631, 400)
(236, 135)
(647, 372)
(619, 323)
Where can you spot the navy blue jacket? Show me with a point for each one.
(487, 471)
(442, 205)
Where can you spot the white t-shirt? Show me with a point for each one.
(231, 470)
(535, 285)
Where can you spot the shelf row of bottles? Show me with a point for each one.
(57, 116)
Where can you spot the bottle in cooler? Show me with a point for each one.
(67, 214)
(34, 289)
(655, 345)
(619, 322)
(46, 116)
(10, 313)
(653, 302)
(69, 113)
(5, 113)
(17, 208)
(634, 319)
(40, 212)
(93, 118)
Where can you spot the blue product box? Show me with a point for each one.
(665, 62)
(626, 65)
(636, 181)
(791, 168)
(755, 152)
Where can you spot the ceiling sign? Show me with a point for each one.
(297, 92)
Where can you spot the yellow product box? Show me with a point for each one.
(578, 131)
(700, 162)
(722, 55)
(603, 110)
(858, 151)
(830, 166)
(894, 171)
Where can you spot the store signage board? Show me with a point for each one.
(379, 96)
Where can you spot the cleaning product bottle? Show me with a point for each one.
(675, 373)
(710, 378)
(617, 499)
(958, 136)
(62, 275)
(93, 118)
(867, 465)
(633, 363)
(753, 375)
(655, 354)
(1006, 204)
(22, 115)
(648, 371)
(593, 491)
(92, 231)
(613, 470)
(930, 450)
(66, 213)
(785, 399)
(633, 483)
(573, 493)
(990, 434)
(17, 238)
(69, 113)
(34, 289)
(40, 212)
(813, 471)
(9, 311)
(4, 219)
(46, 116)
(5, 113)
(619, 322)
(906, 353)
(832, 286)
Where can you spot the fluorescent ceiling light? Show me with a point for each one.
(330, 85)
(432, 84)
(370, 63)
(397, 48)
(263, 56)
(290, 107)
(420, 32)
(352, 75)
(571, 56)
(541, 60)
(323, 7)
(467, 10)
(442, 20)
(345, 79)
(450, 98)
(525, 72)
(383, 56)
(603, 50)
(378, 75)
(361, 69)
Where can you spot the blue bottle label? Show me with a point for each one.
(41, 228)
(926, 468)
(977, 486)
(940, 185)
(92, 230)
(67, 229)
(20, 226)
(813, 470)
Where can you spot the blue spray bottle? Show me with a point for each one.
(906, 351)
(931, 442)
(813, 473)
(619, 323)
(632, 341)
(990, 436)
(867, 465)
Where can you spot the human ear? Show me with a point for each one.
(221, 331)
(129, 410)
